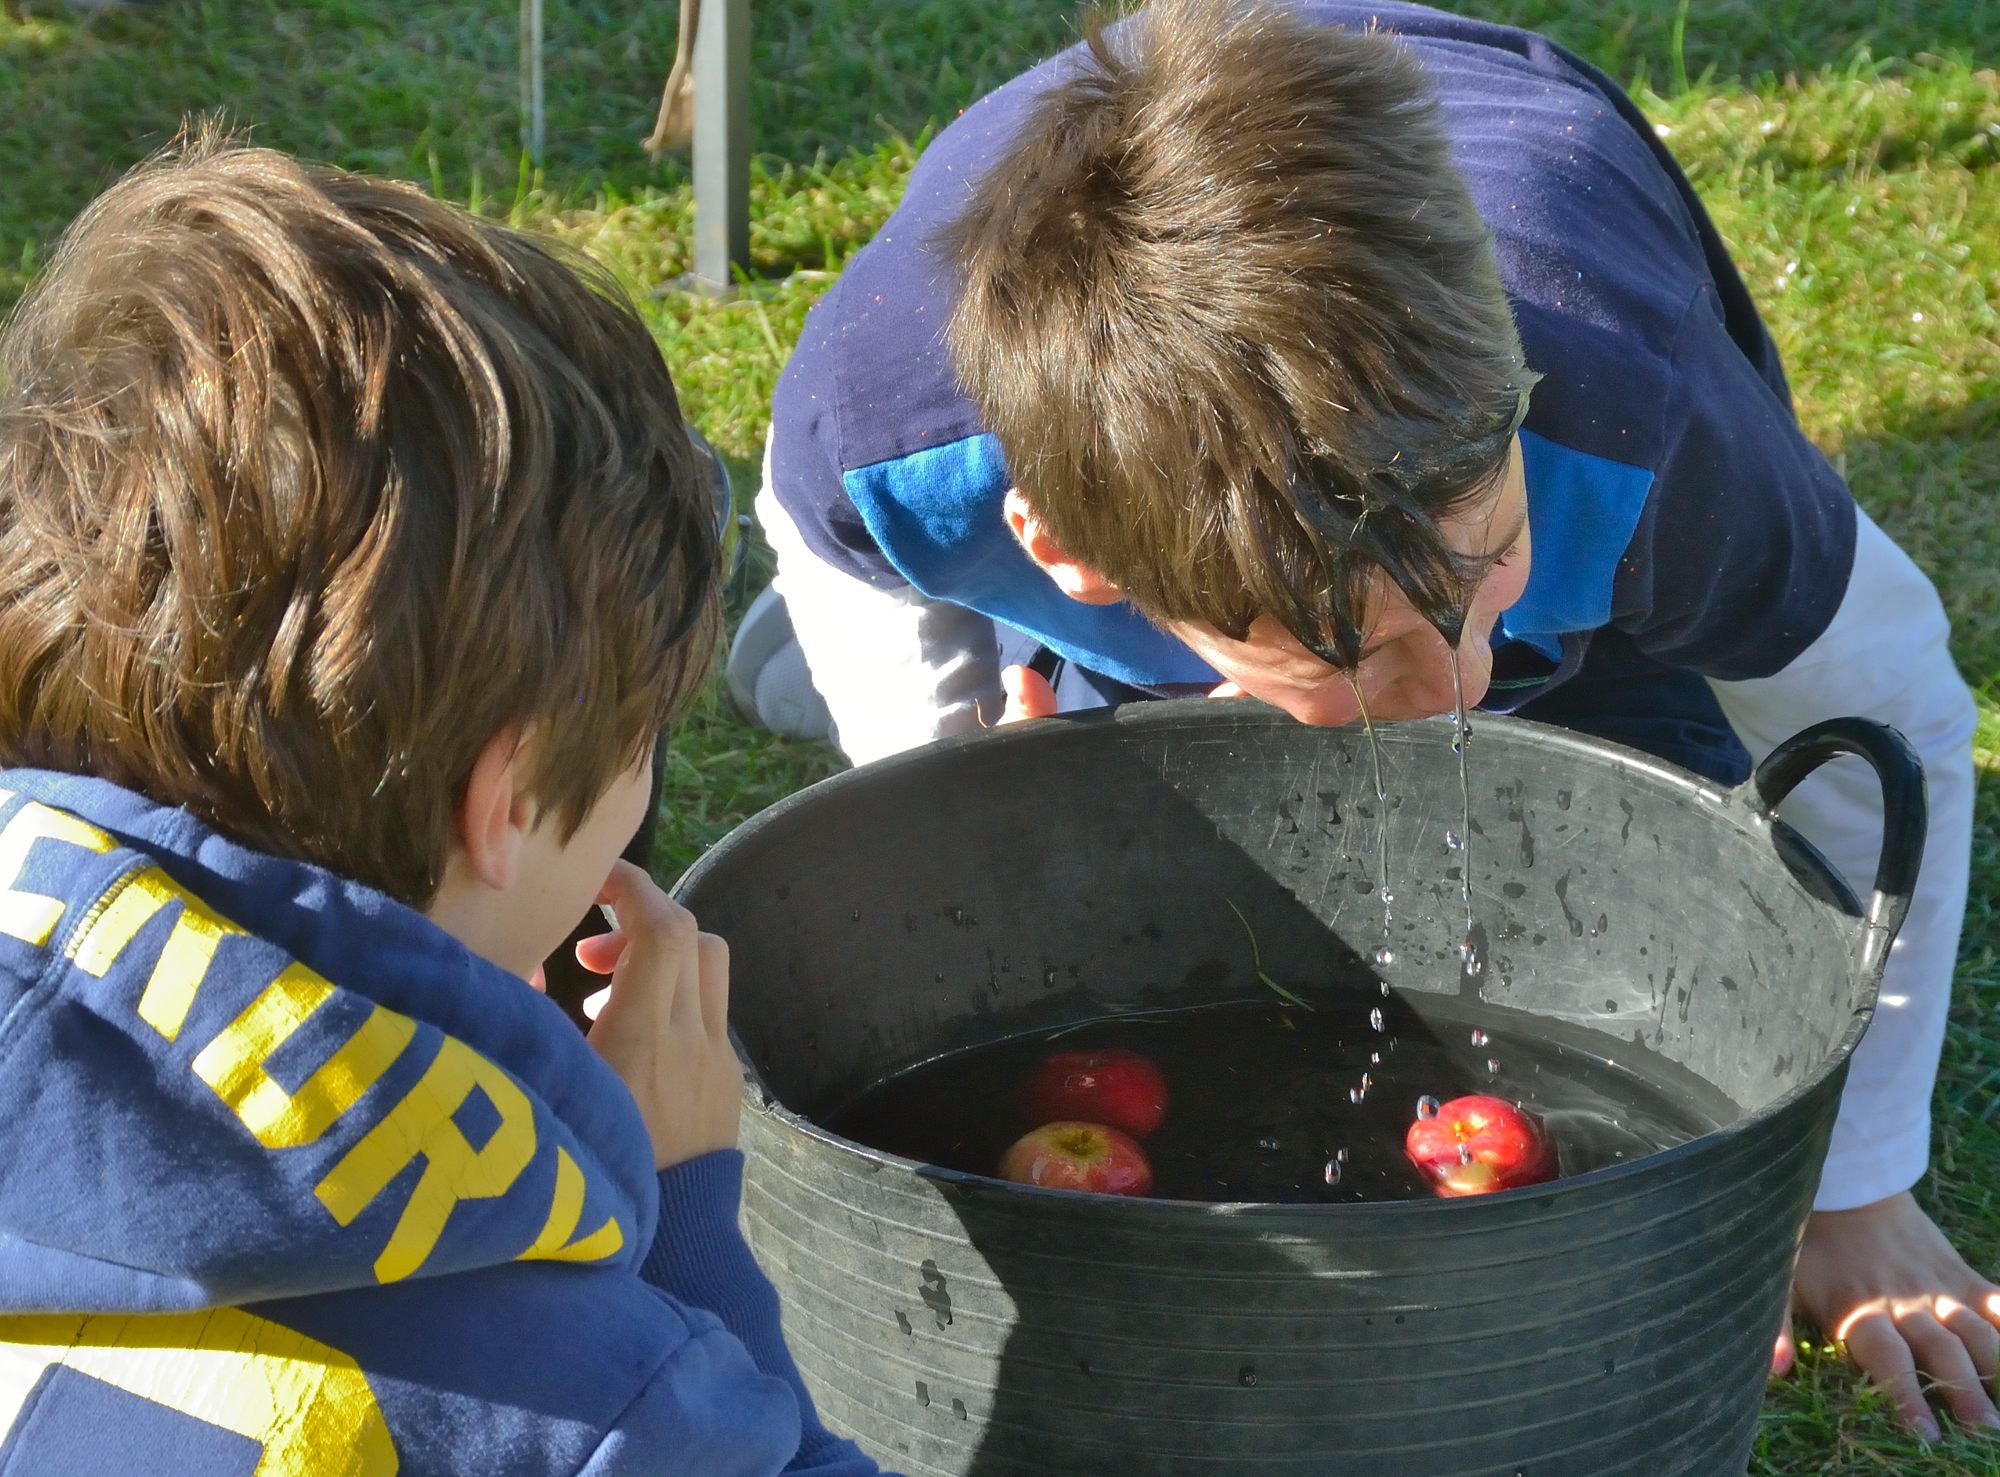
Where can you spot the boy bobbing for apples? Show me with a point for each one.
(1282, 349)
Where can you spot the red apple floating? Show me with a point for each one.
(1476, 1145)
(1078, 1156)
(1120, 1088)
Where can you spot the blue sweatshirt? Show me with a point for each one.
(1681, 520)
(296, 1184)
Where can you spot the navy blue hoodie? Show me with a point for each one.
(1680, 519)
(296, 1184)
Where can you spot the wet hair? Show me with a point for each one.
(311, 486)
(1231, 313)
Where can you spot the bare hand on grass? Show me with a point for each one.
(1918, 1321)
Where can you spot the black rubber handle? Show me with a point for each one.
(1905, 813)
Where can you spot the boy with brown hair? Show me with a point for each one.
(1292, 348)
(353, 554)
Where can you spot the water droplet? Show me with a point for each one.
(1374, 1058)
(1384, 956)
(1247, 1375)
(1479, 1037)
(1492, 1064)
(1340, 1155)
(1453, 841)
(1267, 1146)
(1366, 1083)
(855, 916)
(1355, 1095)
(1385, 986)
(1387, 897)
(1332, 1173)
(1465, 1153)
(1427, 1106)
(1375, 1017)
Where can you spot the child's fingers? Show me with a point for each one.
(625, 882)
(601, 952)
(1940, 1354)
(1980, 1338)
(1226, 689)
(712, 956)
(691, 1001)
(658, 965)
(1876, 1344)
(1028, 695)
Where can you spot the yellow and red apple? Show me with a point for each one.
(1078, 1156)
(1476, 1145)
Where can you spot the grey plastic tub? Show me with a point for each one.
(1616, 1322)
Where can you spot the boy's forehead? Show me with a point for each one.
(1490, 526)
(1484, 529)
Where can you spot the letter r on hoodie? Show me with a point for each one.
(423, 1124)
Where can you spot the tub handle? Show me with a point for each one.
(1905, 813)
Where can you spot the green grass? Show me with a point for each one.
(1846, 147)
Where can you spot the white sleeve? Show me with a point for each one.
(897, 669)
(1884, 656)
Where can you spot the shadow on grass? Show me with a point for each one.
(1929, 478)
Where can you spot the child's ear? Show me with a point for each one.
(1078, 581)
(496, 813)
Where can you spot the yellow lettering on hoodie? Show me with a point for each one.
(306, 1404)
(184, 959)
(422, 1125)
(565, 1210)
(31, 916)
(233, 1063)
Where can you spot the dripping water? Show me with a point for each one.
(1469, 952)
(1384, 955)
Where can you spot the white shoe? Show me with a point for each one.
(769, 683)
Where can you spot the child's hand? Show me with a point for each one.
(665, 1027)
(1883, 1280)
(1028, 695)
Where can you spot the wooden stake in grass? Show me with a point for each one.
(1257, 961)
(673, 128)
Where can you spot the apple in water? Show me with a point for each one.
(1476, 1145)
(1112, 1086)
(1078, 1156)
